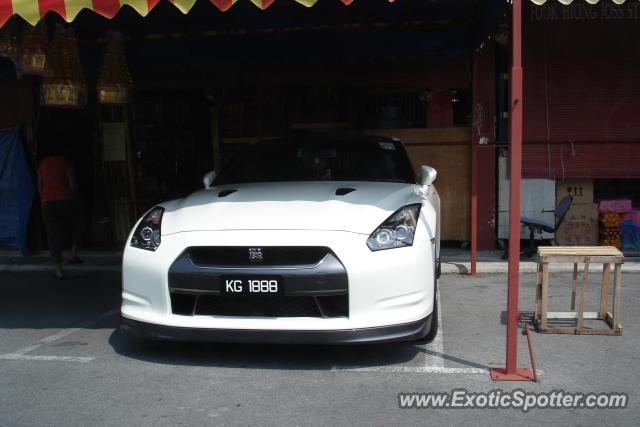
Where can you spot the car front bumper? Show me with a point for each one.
(386, 289)
(405, 332)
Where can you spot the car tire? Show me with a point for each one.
(433, 331)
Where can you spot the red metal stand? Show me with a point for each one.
(520, 374)
(511, 372)
(527, 332)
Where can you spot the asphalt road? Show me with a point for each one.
(63, 362)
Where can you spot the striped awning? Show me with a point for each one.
(541, 2)
(33, 10)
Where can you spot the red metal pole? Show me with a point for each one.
(474, 173)
(511, 371)
(515, 172)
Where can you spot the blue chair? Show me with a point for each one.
(538, 226)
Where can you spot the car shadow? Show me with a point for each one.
(264, 356)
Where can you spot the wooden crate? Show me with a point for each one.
(606, 255)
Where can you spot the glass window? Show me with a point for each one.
(331, 159)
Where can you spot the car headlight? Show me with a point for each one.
(397, 231)
(147, 234)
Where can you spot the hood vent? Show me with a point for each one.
(344, 191)
(225, 193)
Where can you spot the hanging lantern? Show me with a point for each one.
(114, 83)
(64, 86)
(9, 41)
(33, 50)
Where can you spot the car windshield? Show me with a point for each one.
(319, 160)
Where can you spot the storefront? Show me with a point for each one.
(582, 97)
(206, 83)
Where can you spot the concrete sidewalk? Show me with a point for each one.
(457, 261)
(94, 260)
(454, 261)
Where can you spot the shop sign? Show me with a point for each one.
(582, 11)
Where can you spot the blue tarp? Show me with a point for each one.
(630, 236)
(16, 192)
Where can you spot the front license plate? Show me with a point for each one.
(252, 286)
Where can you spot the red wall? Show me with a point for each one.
(582, 84)
(584, 160)
(439, 109)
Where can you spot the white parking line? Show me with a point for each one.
(46, 358)
(21, 354)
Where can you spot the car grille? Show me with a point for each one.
(284, 306)
(238, 256)
(257, 307)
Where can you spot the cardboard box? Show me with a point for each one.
(580, 226)
(580, 189)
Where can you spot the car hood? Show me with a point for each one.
(287, 206)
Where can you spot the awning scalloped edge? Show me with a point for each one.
(32, 10)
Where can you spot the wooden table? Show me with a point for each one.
(586, 255)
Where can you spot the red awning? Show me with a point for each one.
(539, 2)
(33, 10)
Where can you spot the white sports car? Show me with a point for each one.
(314, 239)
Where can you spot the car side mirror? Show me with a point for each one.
(428, 175)
(208, 179)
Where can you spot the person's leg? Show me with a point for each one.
(55, 235)
(77, 226)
